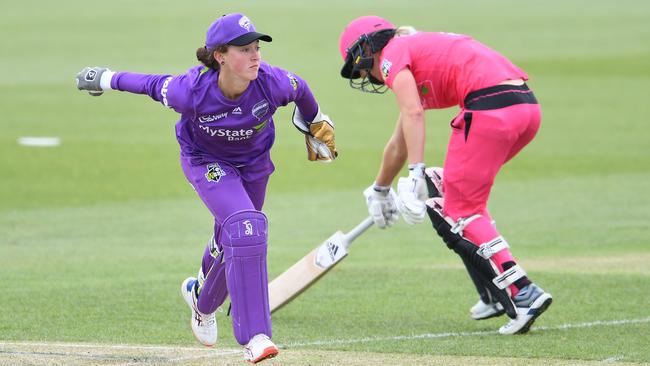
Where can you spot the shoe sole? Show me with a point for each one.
(493, 315)
(269, 352)
(538, 311)
(197, 338)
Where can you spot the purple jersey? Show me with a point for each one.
(214, 128)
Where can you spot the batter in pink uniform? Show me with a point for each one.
(499, 115)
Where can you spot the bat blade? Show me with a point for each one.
(306, 271)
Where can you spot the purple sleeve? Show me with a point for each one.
(306, 102)
(288, 87)
(171, 91)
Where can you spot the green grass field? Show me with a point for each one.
(97, 234)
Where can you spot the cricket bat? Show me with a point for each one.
(311, 267)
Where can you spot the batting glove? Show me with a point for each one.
(89, 79)
(381, 205)
(411, 193)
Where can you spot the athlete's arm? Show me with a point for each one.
(394, 156)
(173, 91)
(306, 103)
(411, 115)
(309, 119)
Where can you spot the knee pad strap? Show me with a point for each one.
(487, 250)
(508, 277)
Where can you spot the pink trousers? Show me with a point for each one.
(481, 142)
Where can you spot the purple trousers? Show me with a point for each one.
(222, 189)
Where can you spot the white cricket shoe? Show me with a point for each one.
(204, 326)
(482, 310)
(259, 348)
(530, 302)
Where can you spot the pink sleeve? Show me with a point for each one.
(392, 61)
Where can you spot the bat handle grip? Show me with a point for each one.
(358, 230)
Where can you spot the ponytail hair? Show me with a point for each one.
(206, 55)
(405, 30)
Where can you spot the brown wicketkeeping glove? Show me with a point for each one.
(321, 145)
(319, 136)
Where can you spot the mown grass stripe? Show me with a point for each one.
(464, 334)
(328, 342)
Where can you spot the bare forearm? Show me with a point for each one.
(390, 166)
(411, 115)
(395, 154)
(414, 135)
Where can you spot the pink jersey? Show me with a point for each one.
(446, 66)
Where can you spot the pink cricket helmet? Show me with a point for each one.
(357, 29)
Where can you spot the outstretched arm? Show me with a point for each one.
(160, 88)
(155, 86)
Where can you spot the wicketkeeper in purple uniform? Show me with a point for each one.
(225, 134)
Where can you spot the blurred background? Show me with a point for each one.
(100, 231)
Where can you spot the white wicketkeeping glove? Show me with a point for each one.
(381, 205)
(411, 194)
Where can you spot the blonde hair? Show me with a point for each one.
(405, 30)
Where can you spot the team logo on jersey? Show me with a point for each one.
(427, 94)
(214, 173)
(212, 117)
(229, 134)
(385, 67)
(261, 126)
(260, 109)
(237, 110)
(245, 23)
(293, 81)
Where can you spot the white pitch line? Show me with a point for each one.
(329, 342)
(613, 359)
(463, 334)
(123, 346)
(224, 353)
